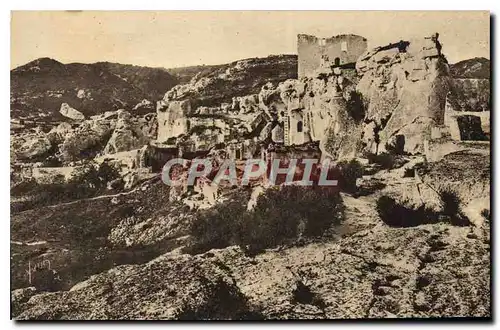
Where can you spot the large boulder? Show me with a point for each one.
(169, 287)
(126, 135)
(70, 112)
(34, 147)
(86, 141)
(404, 87)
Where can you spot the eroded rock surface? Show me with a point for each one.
(404, 88)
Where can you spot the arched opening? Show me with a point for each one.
(299, 126)
(188, 125)
(337, 61)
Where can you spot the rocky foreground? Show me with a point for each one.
(364, 268)
(123, 253)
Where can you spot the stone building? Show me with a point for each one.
(467, 111)
(339, 50)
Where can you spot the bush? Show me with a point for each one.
(348, 173)
(385, 160)
(485, 213)
(215, 228)
(280, 216)
(395, 214)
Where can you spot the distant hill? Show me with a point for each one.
(40, 87)
(478, 67)
(218, 84)
(185, 74)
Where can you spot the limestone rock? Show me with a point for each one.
(19, 297)
(143, 232)
(404, 86)
(34, 147)
(126, 136)
(59, 133)
(70, 112)
(195, 289)
(86, 141)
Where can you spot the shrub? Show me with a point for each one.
(348, 173)
(395, 214)
(88, 181)
(280, 216)
(385, 160)
(94, 176)
(215, 228)
(485, 213)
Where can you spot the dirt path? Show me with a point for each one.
(98, 197)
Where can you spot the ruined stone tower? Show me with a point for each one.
(338, 50)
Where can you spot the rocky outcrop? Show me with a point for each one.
(58, 134)
(325, 106)
(126, 135)
(71, 113)
(404, 86)
(231, 89)
(368, 270)
(34, 148)
(19, 297)
(239, 78)
(195, 289)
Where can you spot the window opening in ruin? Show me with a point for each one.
(238, 154)
(300, 126)
(337, 61)
(188, 125)
(343, 46)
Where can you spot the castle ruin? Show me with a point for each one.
(338, 50)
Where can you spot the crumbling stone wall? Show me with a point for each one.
(338, 50)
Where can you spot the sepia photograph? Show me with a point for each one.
(250, 165)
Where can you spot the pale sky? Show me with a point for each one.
(180, 38)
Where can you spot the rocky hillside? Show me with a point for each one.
(478, 67)
(40, 87)
(240, 78)
(368, 269)
(186, 73)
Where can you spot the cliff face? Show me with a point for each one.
(404, 87)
